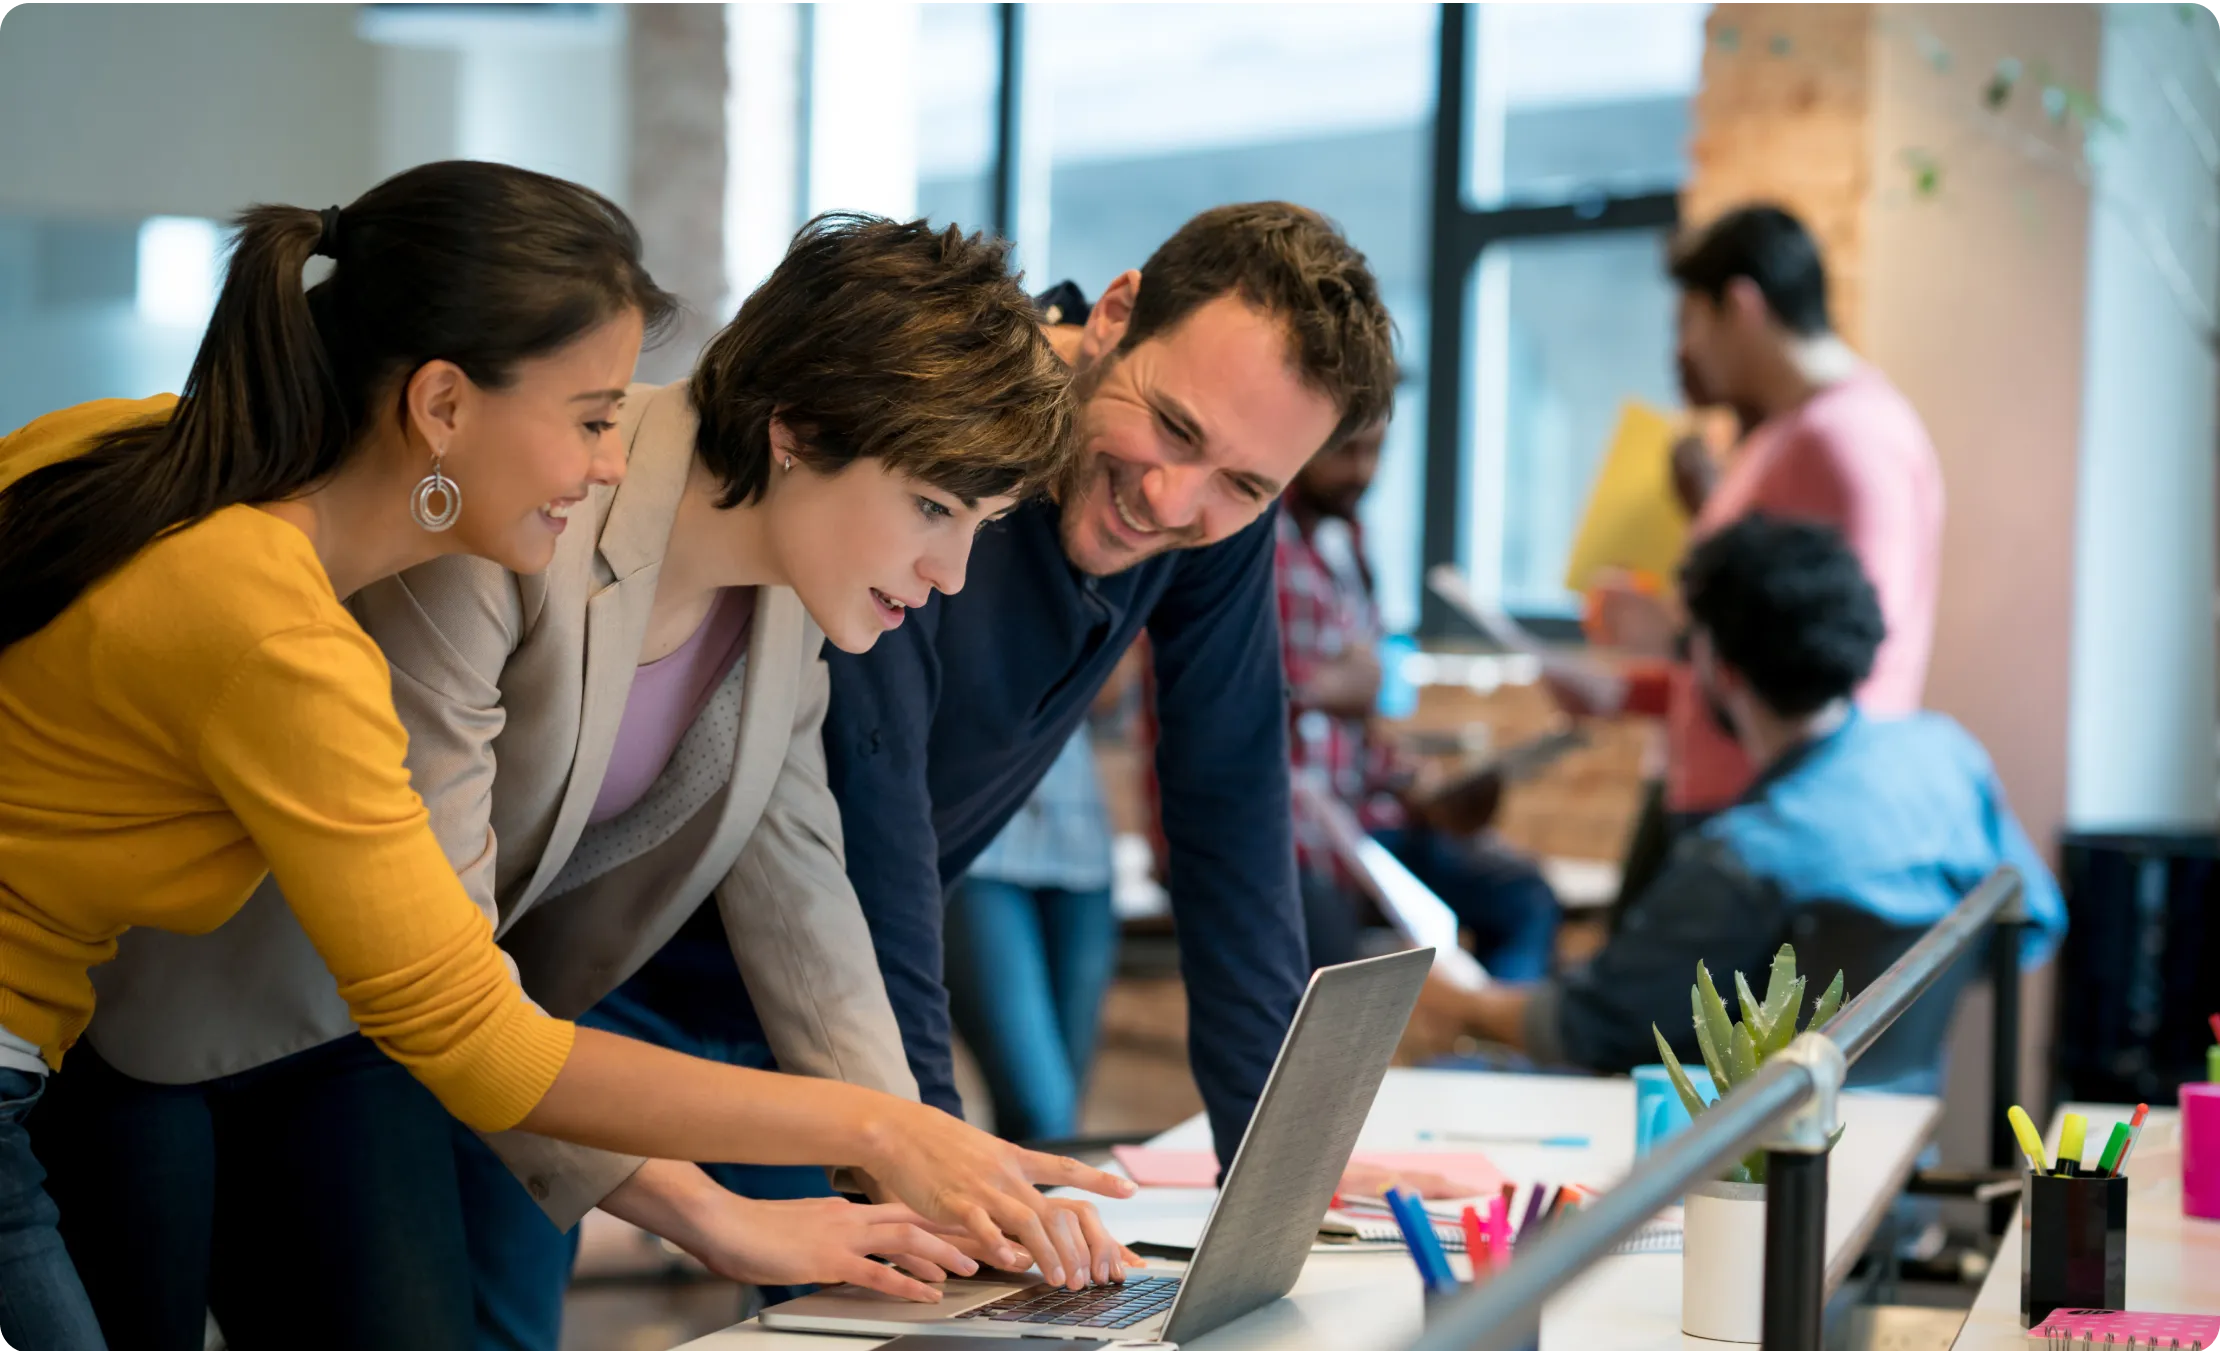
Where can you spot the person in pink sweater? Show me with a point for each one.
(1827, 439)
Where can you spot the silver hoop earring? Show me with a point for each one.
(437, 501)
(790, 462)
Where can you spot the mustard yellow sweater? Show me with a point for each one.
(205, 715)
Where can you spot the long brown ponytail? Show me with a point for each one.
(480, 264)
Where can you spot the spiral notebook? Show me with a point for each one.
(1361, 1223)
(2126, 1330)
(1342, 1232)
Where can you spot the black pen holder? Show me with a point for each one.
(2073, 1245)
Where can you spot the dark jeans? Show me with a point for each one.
(1498, 896)
(1027, 970)
(519, 1262)
(312, 1198)
(42, 1302)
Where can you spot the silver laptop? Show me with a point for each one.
(1266, 1216)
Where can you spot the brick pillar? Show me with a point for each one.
(676, 187)
(1784, 115)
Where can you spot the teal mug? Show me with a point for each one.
(1658, 1112)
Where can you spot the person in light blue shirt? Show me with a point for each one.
(1032, 944)
(1858, 835)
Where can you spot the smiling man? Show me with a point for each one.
(1249, 340)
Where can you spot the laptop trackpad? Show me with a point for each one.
(958, 1297)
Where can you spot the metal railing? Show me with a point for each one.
(1789, 1110)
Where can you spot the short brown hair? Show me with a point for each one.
(886, 340)
(1292, 263)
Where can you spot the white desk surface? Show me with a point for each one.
(2173, 1262)
(1361, 1301)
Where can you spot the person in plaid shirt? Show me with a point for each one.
(1329, 635)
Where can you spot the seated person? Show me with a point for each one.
(1888, 823)
(1329, 628)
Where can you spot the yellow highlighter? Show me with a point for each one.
(2031, 1144)
(2072, 1138)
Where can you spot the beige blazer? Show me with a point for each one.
(531, 674)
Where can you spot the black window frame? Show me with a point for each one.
(1458, 235)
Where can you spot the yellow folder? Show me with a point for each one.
(1634, 519)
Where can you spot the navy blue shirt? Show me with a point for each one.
(936, 737)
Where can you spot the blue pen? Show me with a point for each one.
(1418, 1236)
(1410, 1240)
(1538, 1141)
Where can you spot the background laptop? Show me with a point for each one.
(1263, 1223)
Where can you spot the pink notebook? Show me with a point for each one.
(2126, 1330)
(1199, 1167)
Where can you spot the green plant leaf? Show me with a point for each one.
(1714, 1060)
(1780, 997)
(1679, 1076)
(1714, 1029)
(1784, 1027)
(1926, 172)
(1753, 1013)
(1742, 1060)
(1828, 1006)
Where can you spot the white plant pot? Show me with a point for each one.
(1722, 1269)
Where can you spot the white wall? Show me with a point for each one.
(535, 87)
(197, 110)
(2140, 743)
(113, 113)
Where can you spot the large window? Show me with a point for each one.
(887, 108)
(1553, 205)
(1509, 169)
(1135, 119)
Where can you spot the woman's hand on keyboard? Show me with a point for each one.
(816, 1241)
(963, 1178)
(1097, 1256)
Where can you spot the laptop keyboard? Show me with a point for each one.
(1098, 1306)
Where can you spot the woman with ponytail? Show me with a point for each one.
(186, 705)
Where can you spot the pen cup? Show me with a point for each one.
(2073, 1245)
(1436, 1303)
(2200, 1151)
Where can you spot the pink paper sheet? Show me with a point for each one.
(1199, 1167)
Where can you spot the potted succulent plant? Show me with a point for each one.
(1725, 1239)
